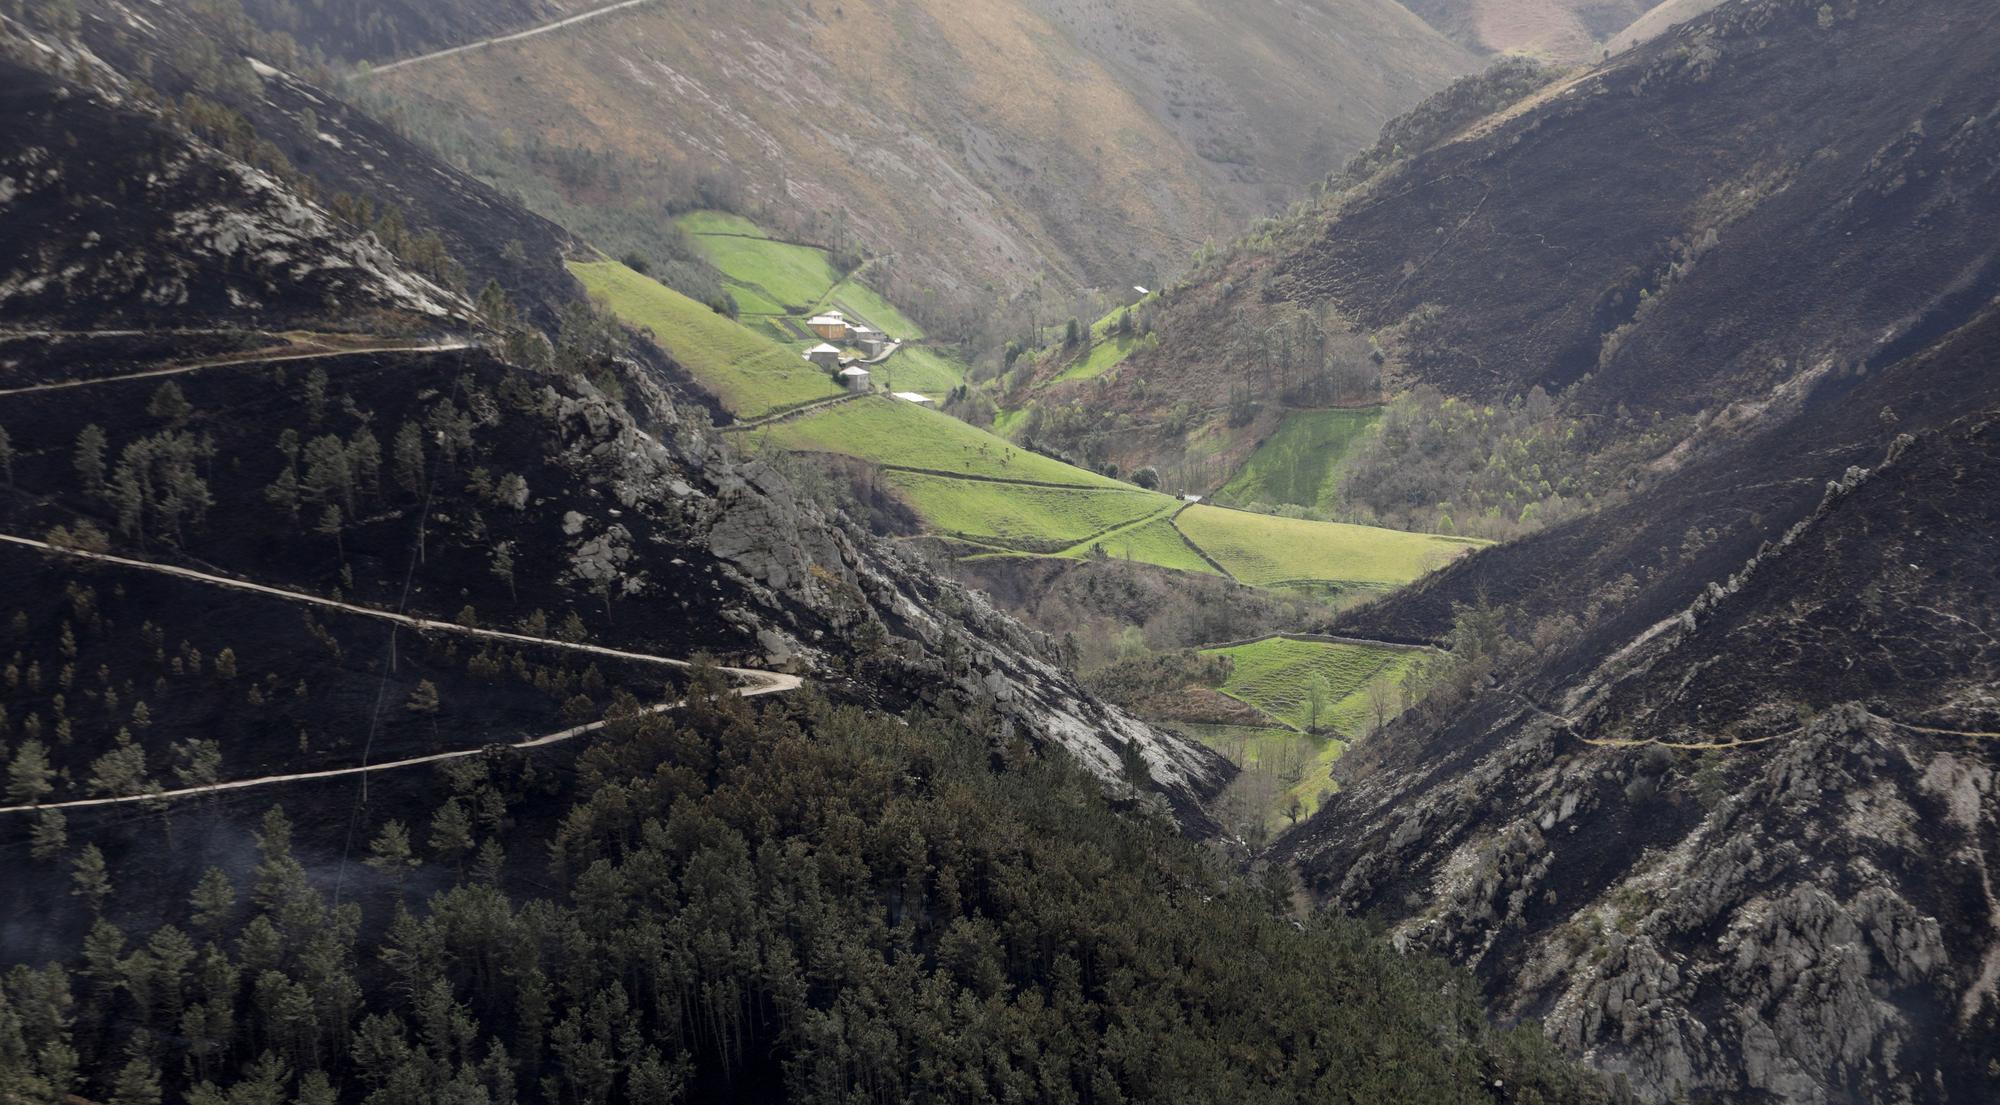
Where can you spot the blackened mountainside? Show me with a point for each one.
(305, 410)
(1694, 232)
(1724, 813)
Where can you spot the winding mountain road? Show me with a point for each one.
(515, 37)
(757, 683)
(241, 359)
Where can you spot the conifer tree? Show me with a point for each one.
(391, 854)
(121, 771)
(49, 836)
(423, 700)
(29, 777)
(89, 879)
(409, 459)
(90, 446)
(214, 900)
(169, 404)
(451, 832)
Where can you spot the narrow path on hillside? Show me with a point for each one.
(1326, 639)
(762, 678)
(238, 360)
(943, 474)
(364, 769)
(515, 37)
(1174, 520)
(760, 238)
(1969, 734)
(11, 333)
(760, 682)
(790, 413)
(1570, 726)
(1082, 548)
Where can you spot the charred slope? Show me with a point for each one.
(1688, 232)
(1728, 831)
(1722, 816)
(114, 220)
(1764, 194)
(426, 476)
(260, 98)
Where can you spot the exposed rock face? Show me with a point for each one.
(1748, 852)
(197, 237)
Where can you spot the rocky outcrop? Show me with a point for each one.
(1747, 853)
(822, 597)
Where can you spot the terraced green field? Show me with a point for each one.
(1278, 677)
(1300, 464)
(1262, 550)
(1017, 516)
(859, 300)
(750, 374)
(766, 277)
(773, 281)
(920, 369)
(904, 435)
(1153, 541)
(1012, 498)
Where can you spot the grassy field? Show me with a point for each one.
(1030, 519)
(1152, 541)
(1278, 676)
(1260, 549)
(749, 374)
(1300, 464)
(1107, 350)
(904, 435)
(1105, 354)
(920, 369)
(999, 493)
(860, 301)
(779, 278)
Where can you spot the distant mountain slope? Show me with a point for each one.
(982, 145)
(1689, 235)
(1563, 30)
(1658, 21)
(1767, 194)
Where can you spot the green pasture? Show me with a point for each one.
(1279, 677)
(751, 375)
(898, 434)
(1261, 549)
(1018, 516)
(1300, 464)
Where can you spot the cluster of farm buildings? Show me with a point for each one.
(858, 346)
